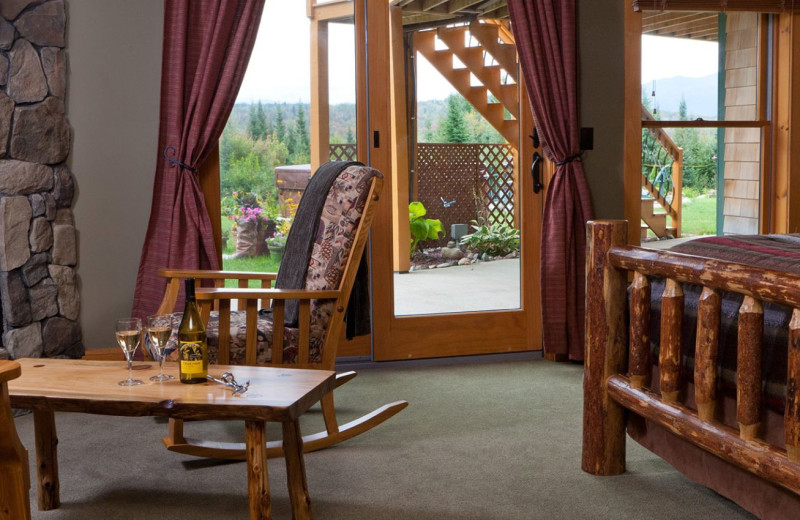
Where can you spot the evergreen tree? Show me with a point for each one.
(301, 131)
(257, 122)
(453, 129)
(280, 126)
(350, 137)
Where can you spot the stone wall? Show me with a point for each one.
(38, 284)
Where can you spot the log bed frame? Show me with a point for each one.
(617, 364)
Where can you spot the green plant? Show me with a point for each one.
(277, 240)
(421, 228)
(494, 240)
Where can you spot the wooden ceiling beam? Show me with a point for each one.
(456, 6)
(427, 5)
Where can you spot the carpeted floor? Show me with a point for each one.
(497, 440)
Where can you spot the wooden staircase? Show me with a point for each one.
(506, 95)
(657, 222)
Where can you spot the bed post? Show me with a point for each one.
(606, 344)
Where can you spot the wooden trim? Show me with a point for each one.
(400, 158)
(320, 102)
(332, 11)
(632, 133)
(704, 124)
(762, 6)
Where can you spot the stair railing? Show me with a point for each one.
(663, 179)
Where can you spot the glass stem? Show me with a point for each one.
(130, 365)
(161, 363)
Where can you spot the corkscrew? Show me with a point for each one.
(227, 379)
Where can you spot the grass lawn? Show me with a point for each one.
(261, 264)
(699, 216)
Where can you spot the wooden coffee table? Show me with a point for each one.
(275, 394)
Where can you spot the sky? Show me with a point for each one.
(280, 69)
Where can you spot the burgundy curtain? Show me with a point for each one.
(207, 45)
(546, 38)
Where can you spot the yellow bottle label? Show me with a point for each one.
(192, 367)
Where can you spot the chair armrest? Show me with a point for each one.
(207, 293)
(9, 370)
(204, 274)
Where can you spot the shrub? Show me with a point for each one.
(494, 240)
(422, 228)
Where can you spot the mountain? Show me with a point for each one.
(700, 95)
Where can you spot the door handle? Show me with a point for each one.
(535, 172)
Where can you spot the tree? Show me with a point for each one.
(257, 122)
(350, 137)
(301, 131)
(699, 153)
(453, 129)
(280, 126)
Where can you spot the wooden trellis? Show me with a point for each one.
(459, 183)
(344, 152)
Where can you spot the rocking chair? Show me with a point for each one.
(14, 477)
(251, 337)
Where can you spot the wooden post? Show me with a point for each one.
(639, 362)
(669, 355)
(748, 367)
(792, 414)
(257, 477)
(296, 470)
(14, 475)
(677, 196)
(400, 159)
(320, 109)
(705, 353)
(44, 425)
(603, 419)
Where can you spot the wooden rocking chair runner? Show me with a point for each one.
(248, 337)
(14, 476)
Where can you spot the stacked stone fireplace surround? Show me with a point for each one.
(39, 297)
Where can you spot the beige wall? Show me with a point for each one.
(114, 49)
(601, 55)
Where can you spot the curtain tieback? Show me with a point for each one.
(170, 150)
(578, 156)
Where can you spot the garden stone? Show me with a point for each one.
(15, 217)
(41, 132)
(37, 204)
(44, 300)
(24, 342)
(465, 261)
(26, 82)
(45, 25)
(451, 252)
(54, 63)
(35, 269)
(68, 296)
(4, 354)
(6, 36)
(9, 9)
(24, 178)
(41, 235)
(64, 188)
(247, 245)
(62, 338)
(64, 245)
(6, 111)
(14, 299)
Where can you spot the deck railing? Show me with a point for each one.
(662, 178)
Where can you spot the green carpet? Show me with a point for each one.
(480, 440)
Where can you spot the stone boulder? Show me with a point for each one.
(26, 81)
(24, 178)
(64, 188)
(41, 236)
(41, 133)
(65, 251)
(44, 25)
(69, 302)
(15, 217)
(14, 299)
(62, 338)
(10, 9)
(44, 300)
(24, 341)
(6, 36)
(6, 111)
(35, 269)
(54, 63)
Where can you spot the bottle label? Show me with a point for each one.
(191, 358)
(192, 367)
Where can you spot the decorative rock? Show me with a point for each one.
(452, 252)
(6, 111)
(41, 237)
(446, 264)
(69, 302)
(41, 133)
(54, 63)
(35, 269)
(24, 342)
(465, 261)
(4, 354)
(6, 35)
(9, 9)
(24, 178)
(37, 204)
(64, 188)
(3, 70)
(44, 25)
(14, 299)
(64, 245)
(64, 216)
(49, 207)
(26, 83)
(44, 300)
(62, 338)
(15, 216)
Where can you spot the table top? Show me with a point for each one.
(275, 394)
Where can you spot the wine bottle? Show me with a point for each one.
(192, 344)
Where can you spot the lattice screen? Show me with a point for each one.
(459, 182)
(344, 152)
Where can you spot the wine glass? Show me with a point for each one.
(159, 330)
(129, 335)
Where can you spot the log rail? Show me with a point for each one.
(617, 370)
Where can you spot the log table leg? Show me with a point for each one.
(257, 476)
(296, 471)
(44, 423)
